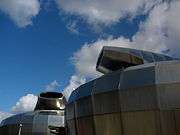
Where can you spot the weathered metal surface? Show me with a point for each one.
(108, 124)
(70, 111)
(107, 83)
(133, 101)
(71, 127)
(84, 107)
(169, 96)
(85, 126)
(138, 77)
(139, 99)
(106, 102)
(140, 123)
(47, 121)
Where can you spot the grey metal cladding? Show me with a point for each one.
(108, 82)
(138, 99)
(70, 108)
(85, 126)
(28, 118)
(137, 78)
(106, 102)
(147, 57)
(108, 124)
(71, 129)
(141, 123)
(168, 96)
(168, 72)
(85, 90)
(84, 107)
(167, 121)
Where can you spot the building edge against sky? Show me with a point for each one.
(139, 95)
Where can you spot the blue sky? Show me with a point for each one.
(36, 55)
(56, 43)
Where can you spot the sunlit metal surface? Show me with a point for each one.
(135, 100)
(47, 119)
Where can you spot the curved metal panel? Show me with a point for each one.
(138, 78)
(85, 126)
(84, 107)
(108, 124)
(106, 102)
(141, 123)
(108, 82)
(141, 98)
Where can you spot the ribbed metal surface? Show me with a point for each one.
(139, 100)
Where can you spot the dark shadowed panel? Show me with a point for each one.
(108, 124)
(141, 98)
(84, 107)
(106, 102)
(71, 129)
(85, 126)
(141, 123)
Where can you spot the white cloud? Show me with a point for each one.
(52, 86)
(160, 32)
(25, 104)
(106, 11)
(4, 115)
(75, 81)
(72, 27)
(85, 59)
(20, 11)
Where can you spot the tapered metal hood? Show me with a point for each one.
(50, 101)
(116, 58)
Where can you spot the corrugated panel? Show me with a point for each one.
(168, 126)
(134, 99)
(168, 95)
(107, 83)
(109, 124)
(9, 130)
(168, 72)
(106, 102)
(70, 108)
(177, 120)
(138, 77)
(85, 90)
(71, 129)
(140, 123)
(85, 126)
(26, 129)
(84, 107)
(40, 124)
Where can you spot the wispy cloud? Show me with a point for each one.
(106, 11)
(20, 11)
(52, 86)
(25, 104)
(158, 33)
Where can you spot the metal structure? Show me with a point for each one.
(46, 119)
(138, 95)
